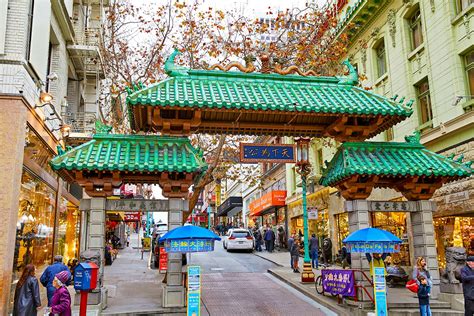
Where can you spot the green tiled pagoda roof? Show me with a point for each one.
(133, 153)
(234, 90)
(392, 160)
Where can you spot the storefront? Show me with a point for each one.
(316, 202)
(232, 209)
(396, 223)
(341, 221)
(270, 210)
(48, 221)
(453, 231)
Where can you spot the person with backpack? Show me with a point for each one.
(295, 255)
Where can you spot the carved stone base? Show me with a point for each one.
(307, 276)
(451, 288)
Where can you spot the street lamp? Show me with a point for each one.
(304, 168)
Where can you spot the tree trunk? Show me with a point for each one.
(205, 180)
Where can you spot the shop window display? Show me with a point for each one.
(453, 231)
(34, 237)
(342, 227)
(68, 230)
(396, 223)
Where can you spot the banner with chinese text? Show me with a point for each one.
(338, 282)
(373, 247)
(189, 245)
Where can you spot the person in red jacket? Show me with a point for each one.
(61, 300)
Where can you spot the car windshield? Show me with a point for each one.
(240, 234)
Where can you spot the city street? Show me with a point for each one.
(236, 283)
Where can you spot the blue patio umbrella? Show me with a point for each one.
(189, 239)
(372, 240)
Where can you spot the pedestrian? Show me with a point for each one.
(282, 237)
(272, 240)
(291, 240)
(423, 294)
(258, 240)
(72, 264)
(295, 255)
(48, 276)
(268, 238)
(300, 234)
(61, 300)
(467, 279)
(27, 299)
(420, 269)
(376, 261)
(313, 248)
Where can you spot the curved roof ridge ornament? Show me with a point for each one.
(171, 68)
(413, 139)
(352, 78)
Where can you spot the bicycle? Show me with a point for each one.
(318, 284)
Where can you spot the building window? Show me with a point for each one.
(416, 29)
(469, 62)
(462, 5)
(380, 59)
(424, 102)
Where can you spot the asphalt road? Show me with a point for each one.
(237, 283)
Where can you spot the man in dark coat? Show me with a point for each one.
(269, 239)
(467, 279)
(48, 276)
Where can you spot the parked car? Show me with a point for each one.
(238, 238)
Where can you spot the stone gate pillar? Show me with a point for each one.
(424, 243)
(173, 290)
(359, 218)
(93, 245)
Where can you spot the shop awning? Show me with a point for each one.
(230, 207)
(267, 201)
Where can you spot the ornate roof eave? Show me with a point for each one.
(406, 167)
(361, 14)
(108, 161)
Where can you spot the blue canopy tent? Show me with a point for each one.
(372, 240)
(189, 239)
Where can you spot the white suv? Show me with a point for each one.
(238, 238)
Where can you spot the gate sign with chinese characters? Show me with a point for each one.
(276, 153)
(189, 245)
(392, 206)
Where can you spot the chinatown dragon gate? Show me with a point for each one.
(274, 101)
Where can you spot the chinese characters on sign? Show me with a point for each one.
(338, 282)
(138, 205)
(131, 216)
(373, 247)
(194, 291)
(392, 206)
(189, 245)
(276, 153)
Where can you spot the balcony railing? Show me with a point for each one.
(81, 122)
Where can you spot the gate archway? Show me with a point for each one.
(265, 103)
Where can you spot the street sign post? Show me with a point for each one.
(194, 291)
(380, 291)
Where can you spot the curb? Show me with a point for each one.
(256, 254)
(315, 297)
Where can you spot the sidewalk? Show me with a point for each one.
(133, 287)
(399, 299)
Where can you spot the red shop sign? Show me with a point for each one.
(131, 216)
(163, 260)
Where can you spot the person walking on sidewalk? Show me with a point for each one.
(269, 237)
(48, 276)
(423, 294)
(313, 248)
(295, 255)
(258, 240)
(467, 279)
(61, 300)
(291, 241)
(27, 295)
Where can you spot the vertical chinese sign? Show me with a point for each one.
(194, 291)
